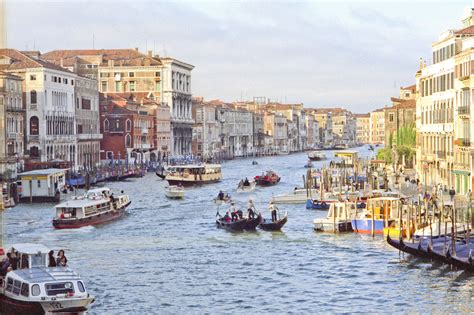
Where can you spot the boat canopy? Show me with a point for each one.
(30, 249)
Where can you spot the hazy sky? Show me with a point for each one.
(354, 54)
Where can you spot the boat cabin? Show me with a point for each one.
(42, 185)
(348, 158)
(384, 208)
(342, 210)
(194, 173)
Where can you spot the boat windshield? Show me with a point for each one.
(38, 260)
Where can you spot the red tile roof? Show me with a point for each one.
(465, 31)
(19, 60)
(412, 88)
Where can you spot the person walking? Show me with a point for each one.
(452, 193)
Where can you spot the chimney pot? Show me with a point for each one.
(150, 53)
(136, 49)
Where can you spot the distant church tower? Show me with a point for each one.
(3, 25)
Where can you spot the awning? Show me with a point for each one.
(466, 173)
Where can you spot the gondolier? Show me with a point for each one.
(250, 209)
(273, 210)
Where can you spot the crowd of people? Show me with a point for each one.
(13, 261)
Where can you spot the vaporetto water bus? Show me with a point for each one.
(189, 175)
(35, 288)
(96, 206)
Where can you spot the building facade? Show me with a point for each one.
(377, 126)
(363, 128)
(401, 114)
(12, 123)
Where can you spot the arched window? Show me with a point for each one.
(34, 126)
(129, 125)
(106, 125)
(33, 97)
(128, 141)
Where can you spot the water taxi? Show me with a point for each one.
(189, 175)
(380, 213)
(338, 218)
(267, 179)
(316, 156)
(174, 192)
(96, 206)
(35, 288)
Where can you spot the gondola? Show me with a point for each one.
(160, 175)
(252, 224)
(268, 225)
(239, 225)
(254, 163)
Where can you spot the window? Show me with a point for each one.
(16, 287)
(106, 125)
(86, 103)
(34, 125)
(59, 79)
(131, 74)
(128, 141)
(25, 290)
(79, 129)
(65, 81)
(391, 117)
(128, 125)
(54, 78)
(132, 86)
(53, 289)
(33, 97)
(35, 290)
(81, 287)
(104, 86)
(72, 82)
(157, 86)
(32, 77)
(9, 284)
(157, 74)
(110, 155)
(39, 183)
(117, 86)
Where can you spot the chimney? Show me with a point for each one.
(150, 53)
(136, 49)
(62, 62)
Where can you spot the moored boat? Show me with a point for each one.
(380, 213)
(245, 187)
(243, 224)
(317, 205)
(174, 192)
(35, 288)
(338, 218)
(267, 179)
(309, 164)
(96, 206)
(189, 175)
(269, 225)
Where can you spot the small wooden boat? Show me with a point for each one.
(267, 179)
(244, 224)
(254, 163)
(269, 225)
(246, 188)
(174, 192)
(224, 199)
(160, 175)
(309, 164)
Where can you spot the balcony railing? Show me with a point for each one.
(464, 110)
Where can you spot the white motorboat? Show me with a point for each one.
(316, 155)
(338, 218)
(174, 192)
(242, 188)
(298, 195)
(35, 288)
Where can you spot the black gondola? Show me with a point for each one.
(239, 225)
(268, 225)
(252, 224)
(160, 175)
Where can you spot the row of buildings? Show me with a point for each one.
(242, 129)
(81, 107)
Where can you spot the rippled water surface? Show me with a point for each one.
(167, 256)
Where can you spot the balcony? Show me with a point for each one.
(464, 110)
(464, 77)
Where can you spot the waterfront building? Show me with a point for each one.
(401, 114)
(163, 131)
(12, 123)
(363, 128)
(276, 125)
(377, 126)
(50, 106)
(128, 72)
(128, 130)
(324, 119)
(206, 130)
(87, 122)
(258, 133)
(344, 127)
(310, 131)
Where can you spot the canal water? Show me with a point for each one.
(167, 256)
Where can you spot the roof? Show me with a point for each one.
(402, 103)
(465, 31)
(362, 115)
(412, 88)
(30, 248)
(195, 166)
(48, 171)
(43, 274)
(19, 60)
(129, 57)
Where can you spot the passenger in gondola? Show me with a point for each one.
(220, 195)
(250, 209)
(52, 261)
(240, 214)
(246, 182)
(273, 210)
(227, 217)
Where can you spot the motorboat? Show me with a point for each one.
(34, 288)
(174, 192)
(245, 187)
(194, 174)
(381, 213)
(316, 155)
(299, 195)
(269, 178)
(269, 225)
(338, 218)
(96, 206)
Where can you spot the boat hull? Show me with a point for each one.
(12, 306)
(364, 226)
(188, 183)
(338, 227)
(268, 225)
(92, 220)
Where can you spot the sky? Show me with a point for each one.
(352, 54)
